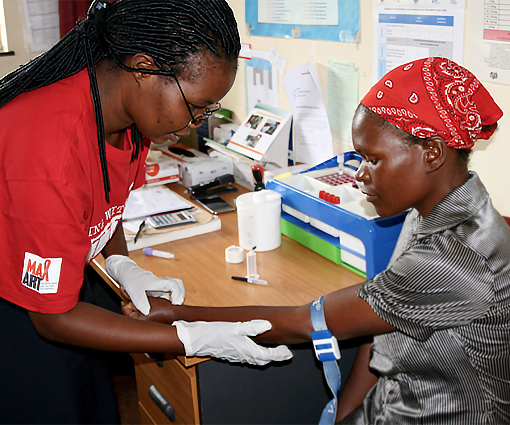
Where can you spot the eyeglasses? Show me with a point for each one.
(199, 119)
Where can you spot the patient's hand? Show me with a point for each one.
(161, 310)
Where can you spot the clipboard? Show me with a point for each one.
(205, 223)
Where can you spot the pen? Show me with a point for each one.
(156, 253)
(250, 280)
(142, 225)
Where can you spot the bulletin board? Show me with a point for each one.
(332, 20)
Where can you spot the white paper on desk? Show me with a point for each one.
(133, 226)
(313, 142)
(152, 200)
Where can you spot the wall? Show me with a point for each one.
(14, 16)
(489, 158)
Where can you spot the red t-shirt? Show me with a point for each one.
(54, 216)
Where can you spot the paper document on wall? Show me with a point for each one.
(261, 80)
(488, 45)
(336, 20)
(342, 95)
(313, 142)
(406, 30)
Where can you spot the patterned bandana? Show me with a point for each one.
(435, 96)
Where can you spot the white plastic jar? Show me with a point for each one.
(258, 220)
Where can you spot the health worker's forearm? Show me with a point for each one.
(117, 244)
(90, 326)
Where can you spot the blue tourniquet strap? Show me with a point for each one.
(326, 349)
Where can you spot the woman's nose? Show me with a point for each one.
(362, 173)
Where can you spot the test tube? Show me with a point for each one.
(251, 265)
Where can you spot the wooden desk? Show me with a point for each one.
(293, 392)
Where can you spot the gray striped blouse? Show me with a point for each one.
(447, 291)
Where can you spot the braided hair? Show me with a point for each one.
(170, 31)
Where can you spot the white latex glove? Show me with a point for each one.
(139, 283)
(229, 341)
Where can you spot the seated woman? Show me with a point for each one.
(440, 313)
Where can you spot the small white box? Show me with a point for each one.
(224, 133)
(242, 171)
(180, 154)
(160, 169)
(202, 170)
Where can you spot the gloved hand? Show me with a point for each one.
(229, 341)
(138, 282)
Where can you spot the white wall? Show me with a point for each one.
(489, 159)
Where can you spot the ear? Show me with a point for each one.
(434, 153)
(141, 61)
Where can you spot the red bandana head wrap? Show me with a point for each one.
(435, 96)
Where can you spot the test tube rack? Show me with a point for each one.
(351, 233)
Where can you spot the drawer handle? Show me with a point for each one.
(161, 402)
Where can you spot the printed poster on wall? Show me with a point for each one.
(334, 20)
(489, 44)
(406, 30)
(261, 80)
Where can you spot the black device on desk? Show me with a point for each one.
(216, 205)
(206, 194)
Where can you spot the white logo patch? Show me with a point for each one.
(41, 274)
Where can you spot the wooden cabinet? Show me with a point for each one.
(166, 393)
(145, 418)
(218, 392)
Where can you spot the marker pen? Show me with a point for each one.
(250, 280)
(156, 253)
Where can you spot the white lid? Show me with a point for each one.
(264, 196)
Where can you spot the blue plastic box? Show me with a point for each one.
(364, 241)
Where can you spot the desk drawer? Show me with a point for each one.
(172, 384)
(145, 418)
